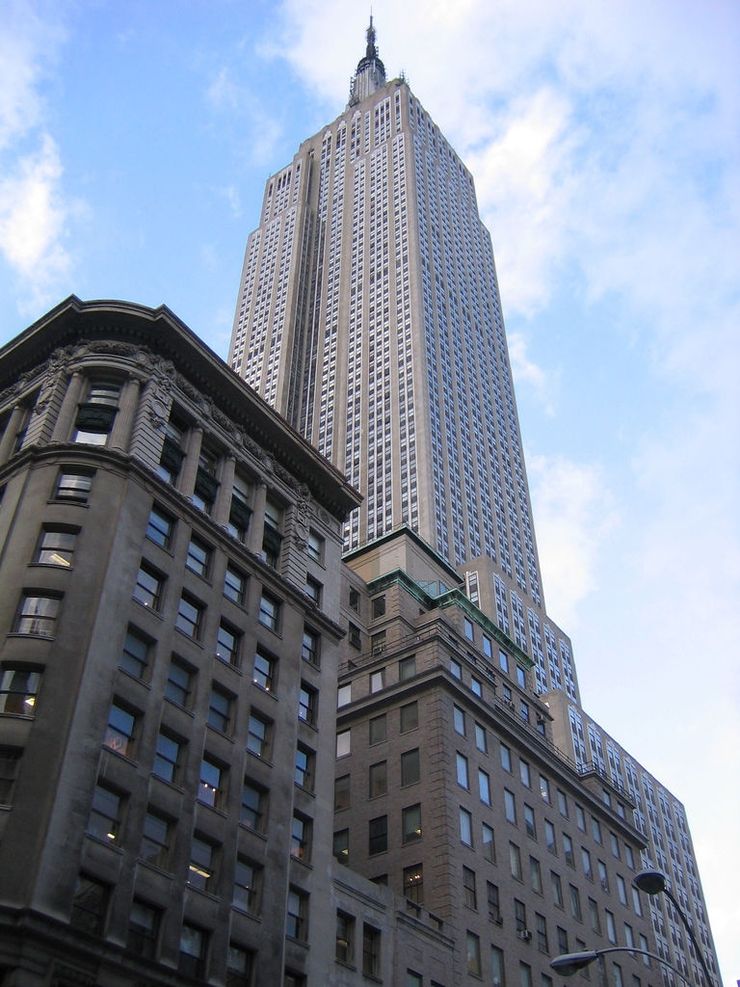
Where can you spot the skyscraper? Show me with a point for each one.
(369, 315)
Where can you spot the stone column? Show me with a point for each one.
(257, 527)
(8, 440)
(220, 513)
(190, 464)
(67, 412)
(125, 416)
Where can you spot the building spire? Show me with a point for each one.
(370, 73)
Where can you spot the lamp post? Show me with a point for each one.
(569, 963)
(655, 882)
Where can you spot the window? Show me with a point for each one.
(135, 655)
(535, 875)
(521, 677)
(143, 929)
(407, 668)
(476, 686)
(596, 829)
(263, 671)
(370, 950)
(524, 773)
(160, 527)
(89, 905)
(269, 612)
(354, 599)
(510, 806)
(468, 629)
(342, 794)
(189, 618)
(296, 925)
(481, 741)
(487, 646)
(503, 661)
(340, 846)
(239, 510)
(411, 823)
(272, 538)
(575, 903)
(545, 789)
(525, 975)
(344, 738)
(586, 863)
(311, 647)
(247, 886)
(484, 787)
(56, 547)
(179, 683)
(466, 827)
(120, 735)
(377, 680)
(202, 869)
(377, 643)
(458, 719)
(593, 914)
(603, 875)
(95, 417)
(315, 547)
(377, 838)
(455, 669)
(629, 856)
(206, 484)
(235, 585)
(149, 587)
(505, 756)
(562, 940)
(345, 939)
(529, 822)
(470, 897)
(636, 902)
(550, 841)
(611, 928)
(520, 915)
(614, 841)
(580, 818)
(228, 644)
(344, 695)
(19, 689)
(167, 757)
(355, 637)
(253, 810)
(73, 486)
(239, 966)
(377, 728)
(259, 735)
(409, 717)
(497, 967)
(410, 767)
(413, 883)
(541, 928)
(562, 803)
(378, 605)
(377, 779)
(557, 888)
(494, 908)
(487, 843)
(104, 821)
(568, 850)
(472, 948)
(621, 890)
(198, 558)
(172, 455)
(300, 837)
(304, 767)
(313, 588)
(461, 768)
(193, 950)
(308, 704)
(219, 709)
(37, 615)
(515, 861)
(212, 785)
(155, 840)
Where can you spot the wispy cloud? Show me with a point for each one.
(259, 131)
(34, 210)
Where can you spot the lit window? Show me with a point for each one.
(19, 690)
(120, 734)
(149, 587)
(104, 821)
(228, 642)
(202, 869)
(340, 846)
(263, 671)
(56, 547)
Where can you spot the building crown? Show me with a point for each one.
(370, 73)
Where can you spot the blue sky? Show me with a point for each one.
(135, 140)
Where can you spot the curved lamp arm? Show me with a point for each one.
(569, 963)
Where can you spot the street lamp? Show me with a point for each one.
(655, 882)
(569, 963)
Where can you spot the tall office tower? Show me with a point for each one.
(369, 315)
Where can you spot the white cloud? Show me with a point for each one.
(574, 512)
(34, 212)
(527, 373)
(258, 129)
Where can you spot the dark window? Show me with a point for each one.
(304, 767)
(253, 812)
(411, 823)
(193, 950)
(120, 734)
(189, 618)
(239, 511)
(409, 716)
(310, 647)
(269, 612)
(219, 709)
(308, 704)
(410, 767)
(370, 951)
(300, 837)
(179, 683)
(155, 841)
(104, 821)
(247, 886)
(296, 925)
(378, 835)
(89, 905)
(340, 846)
(19, 689)
(228, 644)
(149, 587)
(202, 869)
(135, 655)
(143, 929)
(259, 735)
(406, 668)
(167, 757)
